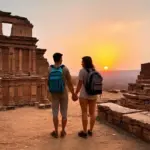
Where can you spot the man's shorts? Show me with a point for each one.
(60, 101)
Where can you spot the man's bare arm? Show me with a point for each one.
(69, 82)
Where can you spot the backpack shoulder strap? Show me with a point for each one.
(52, 66)
(62, 66)
(88, 71)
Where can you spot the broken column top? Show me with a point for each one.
(6, 17)
(21, 26)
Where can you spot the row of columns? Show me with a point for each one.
(12, 61)
(23, 93)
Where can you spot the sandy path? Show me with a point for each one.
(29, 128)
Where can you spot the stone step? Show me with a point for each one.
(114, 91)
(138, 124)
(134, 121)
(106, 100)
(137, 97)
(131, 96)
(116, 108)
(44, 106)
(113, 112)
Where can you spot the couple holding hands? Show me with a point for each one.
(89, 86)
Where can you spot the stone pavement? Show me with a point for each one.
(29, 128)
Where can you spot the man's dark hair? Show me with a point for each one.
(57, 57)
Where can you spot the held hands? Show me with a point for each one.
(74, 97)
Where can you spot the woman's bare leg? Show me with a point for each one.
(92, 107)
(84, 104)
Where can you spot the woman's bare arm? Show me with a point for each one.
(79, 87)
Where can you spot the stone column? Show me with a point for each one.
(34, 61)
(20, 60)
(1, 93)
(44, 97)
(9, 60)
(12, 60)
(30, 61)
(1, 33)
(1, 60)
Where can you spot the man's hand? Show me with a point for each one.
(74, 97)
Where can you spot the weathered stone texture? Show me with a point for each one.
(23, 68)
(131, 120)
(20, 25)
(113, 113)
(138, 96)
(138, 124)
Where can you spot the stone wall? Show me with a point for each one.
(134, 121)
(136, 102)
(22, 91)
(20, 25)
(41, 62)
(23, 68)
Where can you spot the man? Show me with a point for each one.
(58, 77)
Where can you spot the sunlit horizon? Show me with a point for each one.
(114, 33)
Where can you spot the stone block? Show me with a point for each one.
(110, 118)
(123, 91)
(141, 119)
(113, 113)
(41, 106)
(36, 104)
(116, 108)
(102, 115)
(143, 97)
(130, 96)
(146, 135)
(114, 91)
(10, 107)
(47, 105)
(135, 129)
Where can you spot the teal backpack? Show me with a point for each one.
(56, 82)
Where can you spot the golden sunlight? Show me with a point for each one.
(106, 54)
(106, 68)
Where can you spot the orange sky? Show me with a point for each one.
(109, 44)
(115, 33)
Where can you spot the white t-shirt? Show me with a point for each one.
(83, 94)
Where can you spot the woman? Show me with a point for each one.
(87, 102)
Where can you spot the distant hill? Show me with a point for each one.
(118, 79)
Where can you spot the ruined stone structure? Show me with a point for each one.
(142, 84)
(138, 95)
(131, 113)
(134, 121)
(23, 68)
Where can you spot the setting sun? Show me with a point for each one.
(106, 68)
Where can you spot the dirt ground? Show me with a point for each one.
(29, 129)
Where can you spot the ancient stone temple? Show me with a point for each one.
(138, 95)
(132, 112)
(23, 68)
